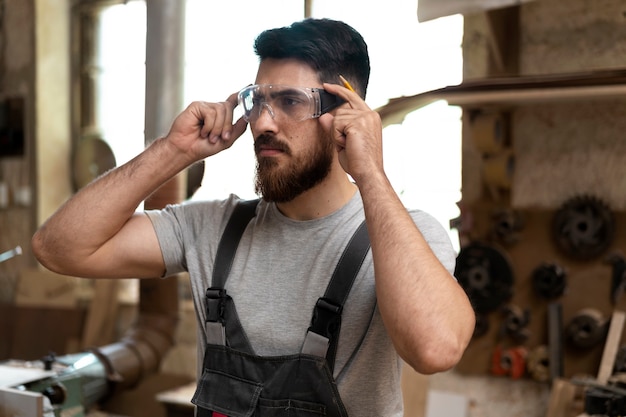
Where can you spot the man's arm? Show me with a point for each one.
(426, 312)
(97, 232)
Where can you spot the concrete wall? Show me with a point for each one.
(572, 36)
(578, 147)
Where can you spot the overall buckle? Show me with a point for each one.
(214, 323)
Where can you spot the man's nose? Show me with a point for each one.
(265, 123)
(269, 108)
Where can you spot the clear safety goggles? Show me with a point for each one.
(286, 103)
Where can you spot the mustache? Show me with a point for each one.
(266, 140)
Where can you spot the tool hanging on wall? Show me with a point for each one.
(506, 225)
(618, 282)
(586, 329)
(549, 280)
(509, 362)
(583, 227)
(515, 323)
(5, 256)
(555, 340)
(91, 158)
(486, 275)
(538, 363)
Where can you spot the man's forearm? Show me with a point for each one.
(98, 212)
(425, 311)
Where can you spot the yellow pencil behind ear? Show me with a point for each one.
(346, 83)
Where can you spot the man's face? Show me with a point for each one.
(292, 156)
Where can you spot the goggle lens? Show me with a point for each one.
(291, 103)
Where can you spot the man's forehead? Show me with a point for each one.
(287, 71)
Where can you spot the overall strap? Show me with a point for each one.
(323, 334)
(239, 219)
(216, 295)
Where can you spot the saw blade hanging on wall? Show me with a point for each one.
(486, 275)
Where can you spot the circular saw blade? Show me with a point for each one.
(92, 158)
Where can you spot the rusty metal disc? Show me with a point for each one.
(486, 275)
(92, 158)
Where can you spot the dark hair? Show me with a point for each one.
(329, 47)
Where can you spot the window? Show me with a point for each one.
(120, 83)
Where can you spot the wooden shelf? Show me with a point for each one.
(513, 90)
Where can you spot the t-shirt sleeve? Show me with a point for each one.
(169, 231)
(184, 229)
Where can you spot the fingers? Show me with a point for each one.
(230, 129)
(352, 98)
(219, 126)
(232, 99)
(238, 128)
(217, 120)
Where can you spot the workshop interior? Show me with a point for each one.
(540, 218)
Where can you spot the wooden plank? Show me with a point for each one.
(512, 90)
(414, 392)
(16, 403)
(561, 398)
(611, 346)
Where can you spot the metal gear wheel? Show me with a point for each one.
(549, 280)
(583, 227)
(486, 276)
(586, 329)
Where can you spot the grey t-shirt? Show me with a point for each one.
(281, 268)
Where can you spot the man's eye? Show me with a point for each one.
(290, 101)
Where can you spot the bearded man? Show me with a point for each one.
(280, 333)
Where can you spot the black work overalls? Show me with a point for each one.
(238, 383)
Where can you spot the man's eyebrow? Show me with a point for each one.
(285, 92)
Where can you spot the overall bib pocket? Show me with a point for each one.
(227, 394)
(237, 397)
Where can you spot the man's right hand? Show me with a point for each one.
(204, 129)
(97, 233)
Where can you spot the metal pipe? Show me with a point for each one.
(143, 347)
(5, 256)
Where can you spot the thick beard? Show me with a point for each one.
(283, 184)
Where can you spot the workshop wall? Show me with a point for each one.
(556, 206)
(17, 153)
